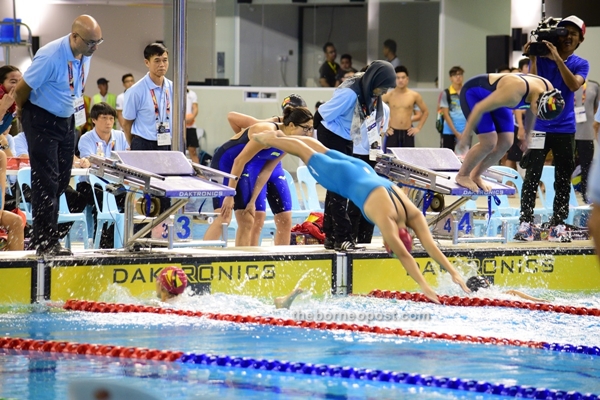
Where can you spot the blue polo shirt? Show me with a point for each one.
(565, 122)
(20, 145)
(88, 144)
(337, 113)
(48, 77)
(139, 106)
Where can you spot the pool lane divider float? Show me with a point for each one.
(479, 302)
(101, 307)
(297, 368)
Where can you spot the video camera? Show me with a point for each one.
(548, 30)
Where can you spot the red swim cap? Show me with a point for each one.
(406, 239)
(173, 280)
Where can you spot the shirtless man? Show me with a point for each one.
(402, 102)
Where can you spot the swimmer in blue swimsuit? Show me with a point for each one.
(487, 101)
(253, 164)
(380, 201)
(278, 194)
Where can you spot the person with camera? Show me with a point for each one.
(567, 72)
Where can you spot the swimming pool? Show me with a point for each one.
(32, 375)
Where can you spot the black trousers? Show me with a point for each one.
(448, 142)
(336, 223)
(585, 152)
(561, 145)
(362, 230)
(51, 145)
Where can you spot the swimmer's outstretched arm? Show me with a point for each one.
(286, 301)
(416, 221)
(300, 146)
(389, 230)
(239, 121)
(525, 296)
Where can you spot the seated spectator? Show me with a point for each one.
(11, 222)
(101, 141)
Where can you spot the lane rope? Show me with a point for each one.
(297, 368)
(101, 307)
(484, 302)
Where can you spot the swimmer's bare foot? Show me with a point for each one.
(479, 181)
(286, 301)
(262, 138)
(467, 182)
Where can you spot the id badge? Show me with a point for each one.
(163, 139)
(538, 140)
(372, 131)
(79, 108)
(580, 116)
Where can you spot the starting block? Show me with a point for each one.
(430, 174)
(166, 174)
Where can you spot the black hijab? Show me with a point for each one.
(379, 74)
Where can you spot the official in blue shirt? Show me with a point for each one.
(338, 122)
(148, 121)
(101, 141)
(50, 96)
(567, 72)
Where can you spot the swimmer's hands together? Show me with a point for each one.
(226, 207)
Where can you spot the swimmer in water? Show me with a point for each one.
(172, 281)
(477, 282)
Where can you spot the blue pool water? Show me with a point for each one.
(46, 376)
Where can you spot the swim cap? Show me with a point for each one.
(293, 100)
(477, 282)
(173, 280)
(406, 239)
(550, 104)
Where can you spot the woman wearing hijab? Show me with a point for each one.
(338, 123)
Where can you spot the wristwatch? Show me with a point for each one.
(3, 147)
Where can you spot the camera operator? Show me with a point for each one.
(567, 72)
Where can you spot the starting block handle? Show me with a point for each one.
(214, 172)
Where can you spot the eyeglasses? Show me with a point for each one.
(306, 129)
(91, 43)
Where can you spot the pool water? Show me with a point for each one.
(33, 375)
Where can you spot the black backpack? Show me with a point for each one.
(439, 122)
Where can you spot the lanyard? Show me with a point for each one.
(72, 79)
(333, 67)
(156, 108)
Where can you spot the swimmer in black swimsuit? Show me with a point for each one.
(486, 101)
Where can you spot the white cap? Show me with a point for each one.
(575, 21)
